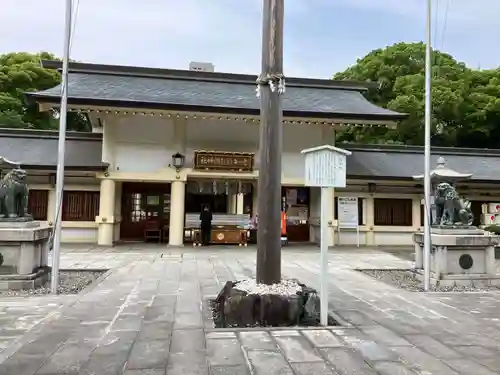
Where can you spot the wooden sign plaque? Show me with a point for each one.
(223, 161)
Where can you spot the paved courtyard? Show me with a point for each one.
(149, 315)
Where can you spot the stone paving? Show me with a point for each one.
(150, 316)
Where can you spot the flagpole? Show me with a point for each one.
(56, 251)
(427, 151)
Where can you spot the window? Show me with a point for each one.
(360, 210)
(393, 212)
(38, 201)
(80, 205)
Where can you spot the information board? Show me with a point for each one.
(348, 212)
(325, 169)
(348, 218)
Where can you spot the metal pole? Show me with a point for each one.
(427, 154)
(324, 260)
(271, 144)
(54, 282)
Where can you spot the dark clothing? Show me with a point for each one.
(206, 235)
(206, 220)
(206, 227)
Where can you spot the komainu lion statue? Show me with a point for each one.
(450, 208)
(14, 194)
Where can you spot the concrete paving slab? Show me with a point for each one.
(150, 316)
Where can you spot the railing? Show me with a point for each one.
(234, 220)
(226, 229)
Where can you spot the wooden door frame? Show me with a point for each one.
(130, 230)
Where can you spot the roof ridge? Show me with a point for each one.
(192, 75)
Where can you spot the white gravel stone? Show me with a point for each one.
(407, 280)
(285, 288)
(70, 282)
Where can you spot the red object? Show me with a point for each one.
(283, 223)
(492, 217)
(498, 207)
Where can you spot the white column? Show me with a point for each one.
(51, 206)
(416, 203)
(118, 210)
(177, 197)
(106, 219)
(240, 200)
(370, 221)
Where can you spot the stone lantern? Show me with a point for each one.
(438, 175)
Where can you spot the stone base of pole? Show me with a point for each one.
(249, 304)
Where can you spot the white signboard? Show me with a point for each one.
(348, 212)
(325, 169)
(348, 218)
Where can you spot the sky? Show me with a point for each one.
(322, 37)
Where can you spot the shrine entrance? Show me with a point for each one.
(145, 210)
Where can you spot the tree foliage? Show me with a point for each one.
(465, 102)
(19, 73)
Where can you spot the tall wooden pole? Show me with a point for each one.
(271, 87)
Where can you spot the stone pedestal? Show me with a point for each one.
(23, 245)
(459, 256)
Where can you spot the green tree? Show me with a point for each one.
(464, 101)
(21, 72)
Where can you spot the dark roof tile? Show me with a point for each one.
(39, 148)
(84, 150)
(222, 91)
(404, 164)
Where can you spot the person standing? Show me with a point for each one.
(206, 226)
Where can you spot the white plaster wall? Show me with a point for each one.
(140, 157)
(349, 237)
(79, 235)
(297, 137)
(222, 131)
(146, 144)
(142, 129)
(393, 238)
(139, 143)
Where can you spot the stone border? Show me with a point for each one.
(341, 322)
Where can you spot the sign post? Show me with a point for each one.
(348, 215)
(325, 167)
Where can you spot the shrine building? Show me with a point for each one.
(164, 143)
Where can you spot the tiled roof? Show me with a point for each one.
(159, 88)
(404, 162)
(38, 149)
